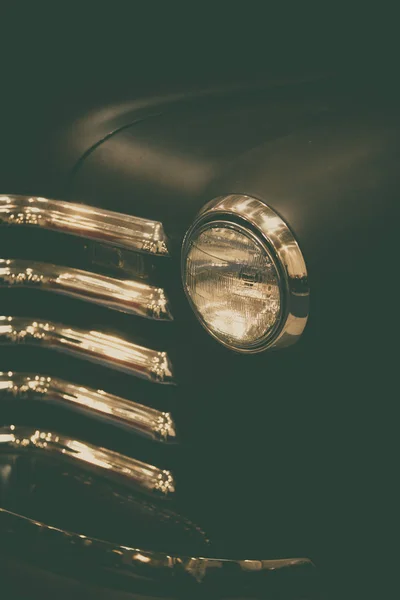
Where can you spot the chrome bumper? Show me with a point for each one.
(145, 572)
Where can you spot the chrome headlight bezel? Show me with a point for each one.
(268, 229)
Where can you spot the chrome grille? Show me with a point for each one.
(123, 351)
(134, 471)
(117, 351)
(96, 346)
(151, 423)
(122, 231)
(132, 297)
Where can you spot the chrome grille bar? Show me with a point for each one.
(96, 346)
(120, 230)
(147, 477)
(122, 295)
(146, 421)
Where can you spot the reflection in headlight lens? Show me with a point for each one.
(233, 284)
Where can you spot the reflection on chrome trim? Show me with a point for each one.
(147, 477)
(96, 346)
(280, 240)
(123, 231)
(146, 421)
(215, 577)
(123, 295)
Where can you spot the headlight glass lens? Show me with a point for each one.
(233, 284)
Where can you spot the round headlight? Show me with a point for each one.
(244, 275)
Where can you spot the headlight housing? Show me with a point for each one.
(244, 275)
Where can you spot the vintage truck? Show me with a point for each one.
(196, 379)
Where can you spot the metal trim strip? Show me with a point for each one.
(105, 226)
(180, 576)
(126, 296)
(142, 475)
(98, 347)
(143, 420)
